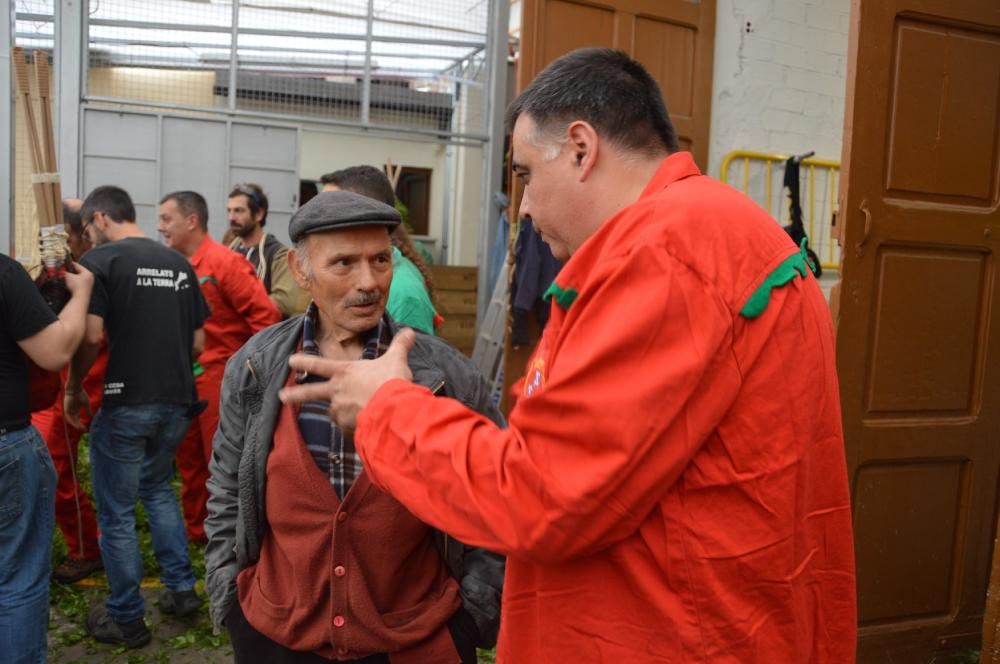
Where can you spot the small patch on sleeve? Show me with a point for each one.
(793, 266)
(563, 296)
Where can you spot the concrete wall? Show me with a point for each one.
(780, 77)
(465, 222)
(465, 219)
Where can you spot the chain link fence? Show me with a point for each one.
(412, 66)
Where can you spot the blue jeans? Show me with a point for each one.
(132, 456)
(27, 517)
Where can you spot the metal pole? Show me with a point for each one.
(449, 173)
(71, 57)
(234, 36)
(496, 102)
(7, 130)
(366, 87)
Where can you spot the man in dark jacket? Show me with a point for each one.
(306, 558)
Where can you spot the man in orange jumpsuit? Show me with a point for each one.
(75, 514)
(672, 485)
(240, 308)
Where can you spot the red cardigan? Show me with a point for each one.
(345, 580)
(672, 484)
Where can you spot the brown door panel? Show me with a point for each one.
(674, 39)
(918, 319)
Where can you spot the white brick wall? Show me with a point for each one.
(779, 83)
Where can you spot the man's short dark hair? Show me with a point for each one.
(112, 201)
(71, 218)
(190, 202)
(365, 180)
(605, 88)
(256, 200)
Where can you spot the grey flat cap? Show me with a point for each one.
(335, 210)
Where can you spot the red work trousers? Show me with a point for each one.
(74, 512)
(195, 451)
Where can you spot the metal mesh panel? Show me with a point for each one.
(452, 30)
(34, 27)
(300, 63)
(412, 65)
(160, 51)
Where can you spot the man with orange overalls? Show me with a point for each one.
(75, 514)
(672, 484)
(240, 308)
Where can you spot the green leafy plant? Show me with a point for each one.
(404, 213)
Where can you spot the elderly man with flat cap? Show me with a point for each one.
(307, 560)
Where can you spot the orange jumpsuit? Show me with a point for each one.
(75, 514)
(240, 308)
(672, 486)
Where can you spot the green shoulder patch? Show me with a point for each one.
(793, 266)
(563, 296)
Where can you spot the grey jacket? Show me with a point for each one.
(248, 414)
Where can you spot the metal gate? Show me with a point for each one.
(150, 154)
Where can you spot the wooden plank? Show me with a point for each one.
(456, 302)
(454, 277)
(459, 330)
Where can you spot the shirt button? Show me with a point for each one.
(342, 516)
(335, 458)
(339, 570)
(338, 621)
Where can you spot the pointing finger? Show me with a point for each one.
(315, 365)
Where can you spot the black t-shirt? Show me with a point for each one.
(149, 298)
(23, 314)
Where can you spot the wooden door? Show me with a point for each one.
(674, 39)
(918, 341)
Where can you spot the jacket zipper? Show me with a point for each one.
(252, 372)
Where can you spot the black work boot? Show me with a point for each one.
(74, 569)
(132, 634)
(180, 603)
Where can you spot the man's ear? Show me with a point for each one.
(304, 282)
(583, 144)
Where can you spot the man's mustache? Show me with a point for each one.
(366, 297)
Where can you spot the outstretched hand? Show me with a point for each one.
(80, 279)
(350, 385)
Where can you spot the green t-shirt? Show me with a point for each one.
(409, 304)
